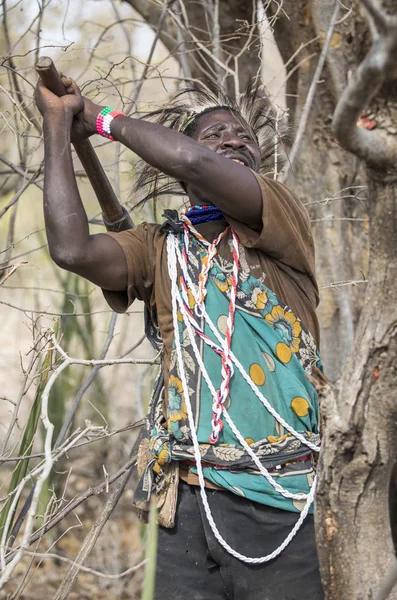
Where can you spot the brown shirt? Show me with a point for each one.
(282, 252)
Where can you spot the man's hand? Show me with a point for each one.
(51, 106)
(80, 112)
(84, 123)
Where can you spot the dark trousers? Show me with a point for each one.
(192, 565)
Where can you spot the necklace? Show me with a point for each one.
(203, 214)
(199, 295)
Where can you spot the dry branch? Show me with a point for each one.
(376, 148)
(91, 538)
(44, 470)
(73, 504)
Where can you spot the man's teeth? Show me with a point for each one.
(240, 162)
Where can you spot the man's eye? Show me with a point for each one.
(211, 135)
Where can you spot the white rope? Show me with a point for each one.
(172, 244)
(262, 469)
(240, 367)
(227, 370)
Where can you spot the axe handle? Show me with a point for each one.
(115, 216)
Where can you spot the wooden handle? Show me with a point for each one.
(115, 216)
(50, 76)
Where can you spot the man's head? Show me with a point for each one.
(243, 129)
(224, 131)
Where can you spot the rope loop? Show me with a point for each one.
(175, 256)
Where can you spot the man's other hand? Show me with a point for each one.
(80, 112)
(84, 123)
(51, 105)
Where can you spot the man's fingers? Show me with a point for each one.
(75, 87)
(71, 86)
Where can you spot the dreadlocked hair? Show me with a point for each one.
(182, 113)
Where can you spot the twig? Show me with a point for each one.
(333, 218)
(18, 170)
(80, 567)
(87, 383)
(45, 469)
(167, 4)
(90, 540)
(106, 434)
(22, 392)
(71, 314)
(337, 196)
(12, 270)
(312, 91)
(49, 428)
(19, 193)
(338, 284)
(15, 74)
(17, 106)
(73, 504)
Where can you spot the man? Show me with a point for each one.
(230, 445)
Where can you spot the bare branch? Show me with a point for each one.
(19, 193)
(312, 91)
(80, 567)
(376, 148)
(12, 270)
(18, 170)
(87, 383)
(73, 504)
(91, 538)
(338, 284)
(60, 314)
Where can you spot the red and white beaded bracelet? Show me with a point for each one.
(104, 119)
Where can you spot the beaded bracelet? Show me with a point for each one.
(104, 119)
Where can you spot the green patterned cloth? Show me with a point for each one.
(277, 352)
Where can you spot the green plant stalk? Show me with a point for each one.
(63, 387)
(27, 441)
(151, 555)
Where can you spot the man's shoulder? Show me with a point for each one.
(143, 231)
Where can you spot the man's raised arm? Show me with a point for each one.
(96, 257)
(219, 180)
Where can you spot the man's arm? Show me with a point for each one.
(228, 185)
(96, 257)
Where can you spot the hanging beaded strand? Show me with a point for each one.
(224, 351)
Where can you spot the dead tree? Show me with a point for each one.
(354, 530)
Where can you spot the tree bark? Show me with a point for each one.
(359, 446)
(356, 489)
(322, 169)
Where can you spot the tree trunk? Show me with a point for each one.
(322, 169)
(227, 35)
(360, 441)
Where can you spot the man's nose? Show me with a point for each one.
(233, 142)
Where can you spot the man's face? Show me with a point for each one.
(229, 136)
